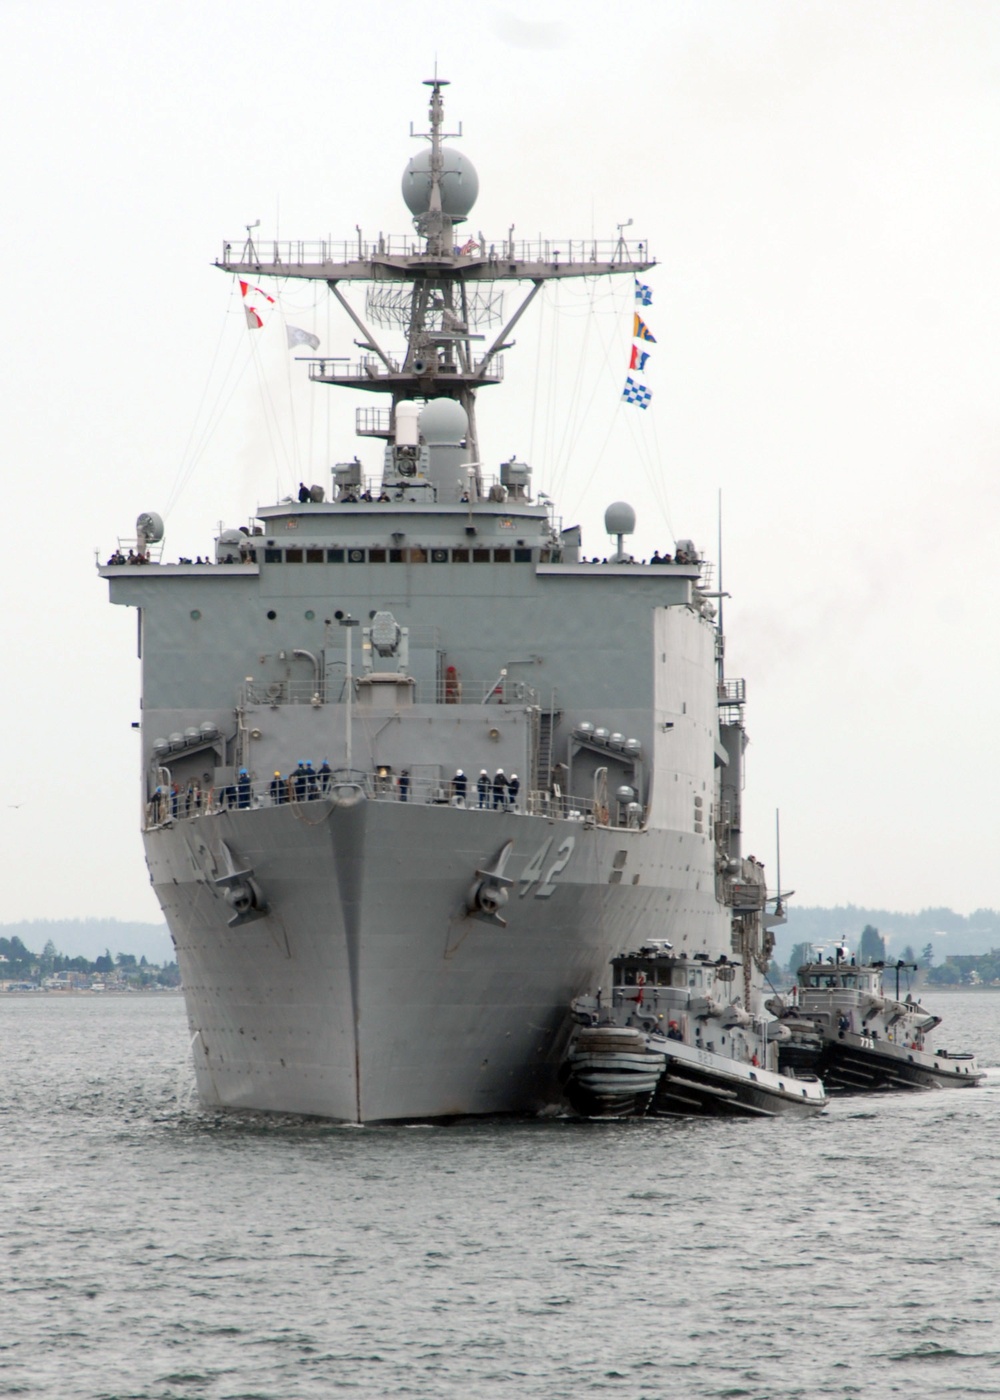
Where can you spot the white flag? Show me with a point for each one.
(301, 337)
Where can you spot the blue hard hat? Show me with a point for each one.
(243, 772)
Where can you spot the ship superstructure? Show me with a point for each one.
(414, 770)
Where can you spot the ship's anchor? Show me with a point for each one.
(241, 890)
(488, 892)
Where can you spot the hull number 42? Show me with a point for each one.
(532, 872)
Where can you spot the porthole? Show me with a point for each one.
(272, 614)
(195, 614)
(309, 614)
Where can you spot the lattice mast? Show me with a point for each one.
(438, 294)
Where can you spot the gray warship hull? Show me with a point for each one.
(374, 994)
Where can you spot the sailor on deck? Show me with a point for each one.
(459, 787)
(483, 788)
(499, 790)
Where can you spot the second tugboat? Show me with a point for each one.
(675, 1037)
(843, 1026)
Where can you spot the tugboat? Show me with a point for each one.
(843, 1026)
(677, 1039)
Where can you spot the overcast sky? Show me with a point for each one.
(819, 182)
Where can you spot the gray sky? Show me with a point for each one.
(820, 184)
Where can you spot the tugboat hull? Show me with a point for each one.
(859, 1064)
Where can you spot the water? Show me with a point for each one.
(155, 1251)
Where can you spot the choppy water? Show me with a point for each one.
(153, 1250)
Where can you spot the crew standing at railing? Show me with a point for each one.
(499, 790)
(459, 787)
(324, 777)
(404, 785)
(300, 781)
(483, 787)
(243, 789)
(279, 792)
(312, 782)
(513, 788)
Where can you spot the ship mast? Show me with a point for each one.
(439, 293)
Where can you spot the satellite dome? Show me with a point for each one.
(443, 421)
(459, 183)
(619, 519)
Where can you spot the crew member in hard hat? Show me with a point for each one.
(300, 781)
(279, 793)
(243, 789)
(324, 777)
(483, 787)
(513, 788)
(499, 790)
(459, 787)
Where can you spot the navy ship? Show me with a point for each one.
(414, 769)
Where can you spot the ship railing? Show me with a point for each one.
(732, 691)
(370, 367)
(472, 251)
(331, 688)
(149, 553)
(421, 785)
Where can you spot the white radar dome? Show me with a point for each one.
(443, 421)
(459, 183)
(619, 519)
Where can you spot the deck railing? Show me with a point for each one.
(473, 252)
(416, 785)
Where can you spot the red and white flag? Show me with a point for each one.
(251, 296)
(247, 287)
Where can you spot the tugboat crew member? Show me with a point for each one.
(304, 493)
